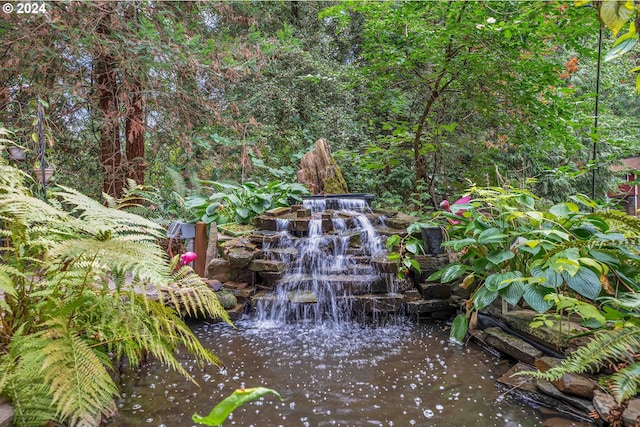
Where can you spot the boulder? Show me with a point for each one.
(219, 269)
(606, 406)
(240, 257)
(401, 221)
(6, 413)
(434, 290)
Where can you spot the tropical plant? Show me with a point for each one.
(85, 286)
(241, 203)
(404, 249)
(509, 249)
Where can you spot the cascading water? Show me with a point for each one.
(326, 269)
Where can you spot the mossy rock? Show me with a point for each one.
(227, 299)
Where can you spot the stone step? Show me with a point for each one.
(511, 345)
(349, 284)
(434, 290)
(302, 297)
(378, 303)
(433, 308)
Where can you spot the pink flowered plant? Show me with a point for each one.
(188, 257)
(459, 212)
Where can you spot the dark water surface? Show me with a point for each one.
(339, 375)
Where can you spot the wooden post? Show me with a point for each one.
(200, 248)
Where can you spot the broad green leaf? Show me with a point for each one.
(535, 215)
(622, 48)
(614, 14)
(604, 257)
(600, 223)
(413, 247)
(493, 281)
(460, 244)
(257, 208)
(238, 398)
(483, 298)
(207, 219)
(497, 281)
(552, 279)
(491, 235)
(588, 311)
(459, 328)
(534, 296)
(452, 272)
(526, 200)
(563, 210)
(211, 209)
(513, 292)
(242, 212)
(629, 34)
(393, 256)
(195, 202)
(497, 257)
(585, 282)
(565, 265)
(590, 262)
(392, 241)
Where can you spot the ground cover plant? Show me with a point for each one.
(72, 275)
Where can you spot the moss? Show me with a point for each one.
(335, 184)
(227, 299)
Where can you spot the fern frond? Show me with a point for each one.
(629, 224)
(189, 292)
(23, 383)
(81, 387)
(624, 384)
(143, 260)
(177, 182)
(95, 214)
(605, 348)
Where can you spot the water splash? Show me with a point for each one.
(330, 266)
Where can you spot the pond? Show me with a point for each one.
(349, 374)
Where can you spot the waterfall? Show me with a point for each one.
(329, 269)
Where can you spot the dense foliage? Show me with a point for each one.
(430, 93)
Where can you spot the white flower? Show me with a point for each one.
(479, 26)
(491, 20)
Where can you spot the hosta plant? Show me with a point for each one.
(511, 249)
(240, 203)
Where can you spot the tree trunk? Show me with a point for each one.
(134, 130)
(110, 146)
